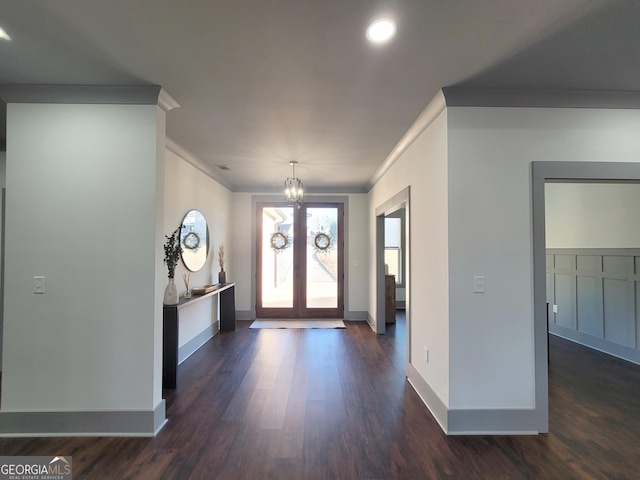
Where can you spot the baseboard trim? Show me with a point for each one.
(118, 423)
(196, 342)
(349, 315)
(356, 316)
(371, 321)
(428, 396)
(245, 314)
(473, 422)
(605, 346)
(493, 422)
(159, 417)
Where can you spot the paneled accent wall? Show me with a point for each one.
(596, 294)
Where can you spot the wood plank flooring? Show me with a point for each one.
(322, 404)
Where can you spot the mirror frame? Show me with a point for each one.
(187, 232)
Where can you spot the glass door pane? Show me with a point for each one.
(277, 257)
(322, 257)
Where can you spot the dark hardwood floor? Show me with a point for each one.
(316, 404)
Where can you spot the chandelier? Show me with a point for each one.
(293, 192)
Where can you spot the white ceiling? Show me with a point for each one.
(264, 82)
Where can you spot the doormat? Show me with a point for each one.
(298, 323)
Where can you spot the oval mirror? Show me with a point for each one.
(194, 239)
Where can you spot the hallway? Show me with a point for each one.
(293, 404)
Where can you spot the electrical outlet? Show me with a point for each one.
(426, 354)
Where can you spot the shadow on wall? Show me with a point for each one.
(3, 126)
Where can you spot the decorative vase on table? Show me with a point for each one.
(171, 293)
(222, 275)
(172, 252)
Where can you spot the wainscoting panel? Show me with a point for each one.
(637, 297)
(619, 313)
(597, 296)
(565, 291)
(589, 299)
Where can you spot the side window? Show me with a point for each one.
(393, 247)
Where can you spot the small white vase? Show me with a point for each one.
(171, 293)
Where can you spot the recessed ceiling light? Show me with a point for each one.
(381, 30)
(4, 35)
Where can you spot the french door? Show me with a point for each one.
(300, 253)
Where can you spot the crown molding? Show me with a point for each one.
(166, 102)
(494, 97)
(98, 94)
(190, 158)
(540, 98)
(80, 94)
(435, 107)
(345, 190)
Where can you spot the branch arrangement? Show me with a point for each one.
(172, 251)
(221, 257)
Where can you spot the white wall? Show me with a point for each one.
(490, 155)
(3, 166)
(82, 211)
(243, 231)
(159, 283)
(423, 167)
(592, 215)
(358, 250)
(187, 188)
(243, 240)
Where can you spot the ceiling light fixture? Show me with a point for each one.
(4, 35)
(293, 192)
(381, 30)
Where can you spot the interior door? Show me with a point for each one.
(300, 260)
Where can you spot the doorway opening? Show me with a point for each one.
(543, 172)
(397, 206)
(300, 260)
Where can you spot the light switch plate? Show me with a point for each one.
(38, 284)
(478, 284)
